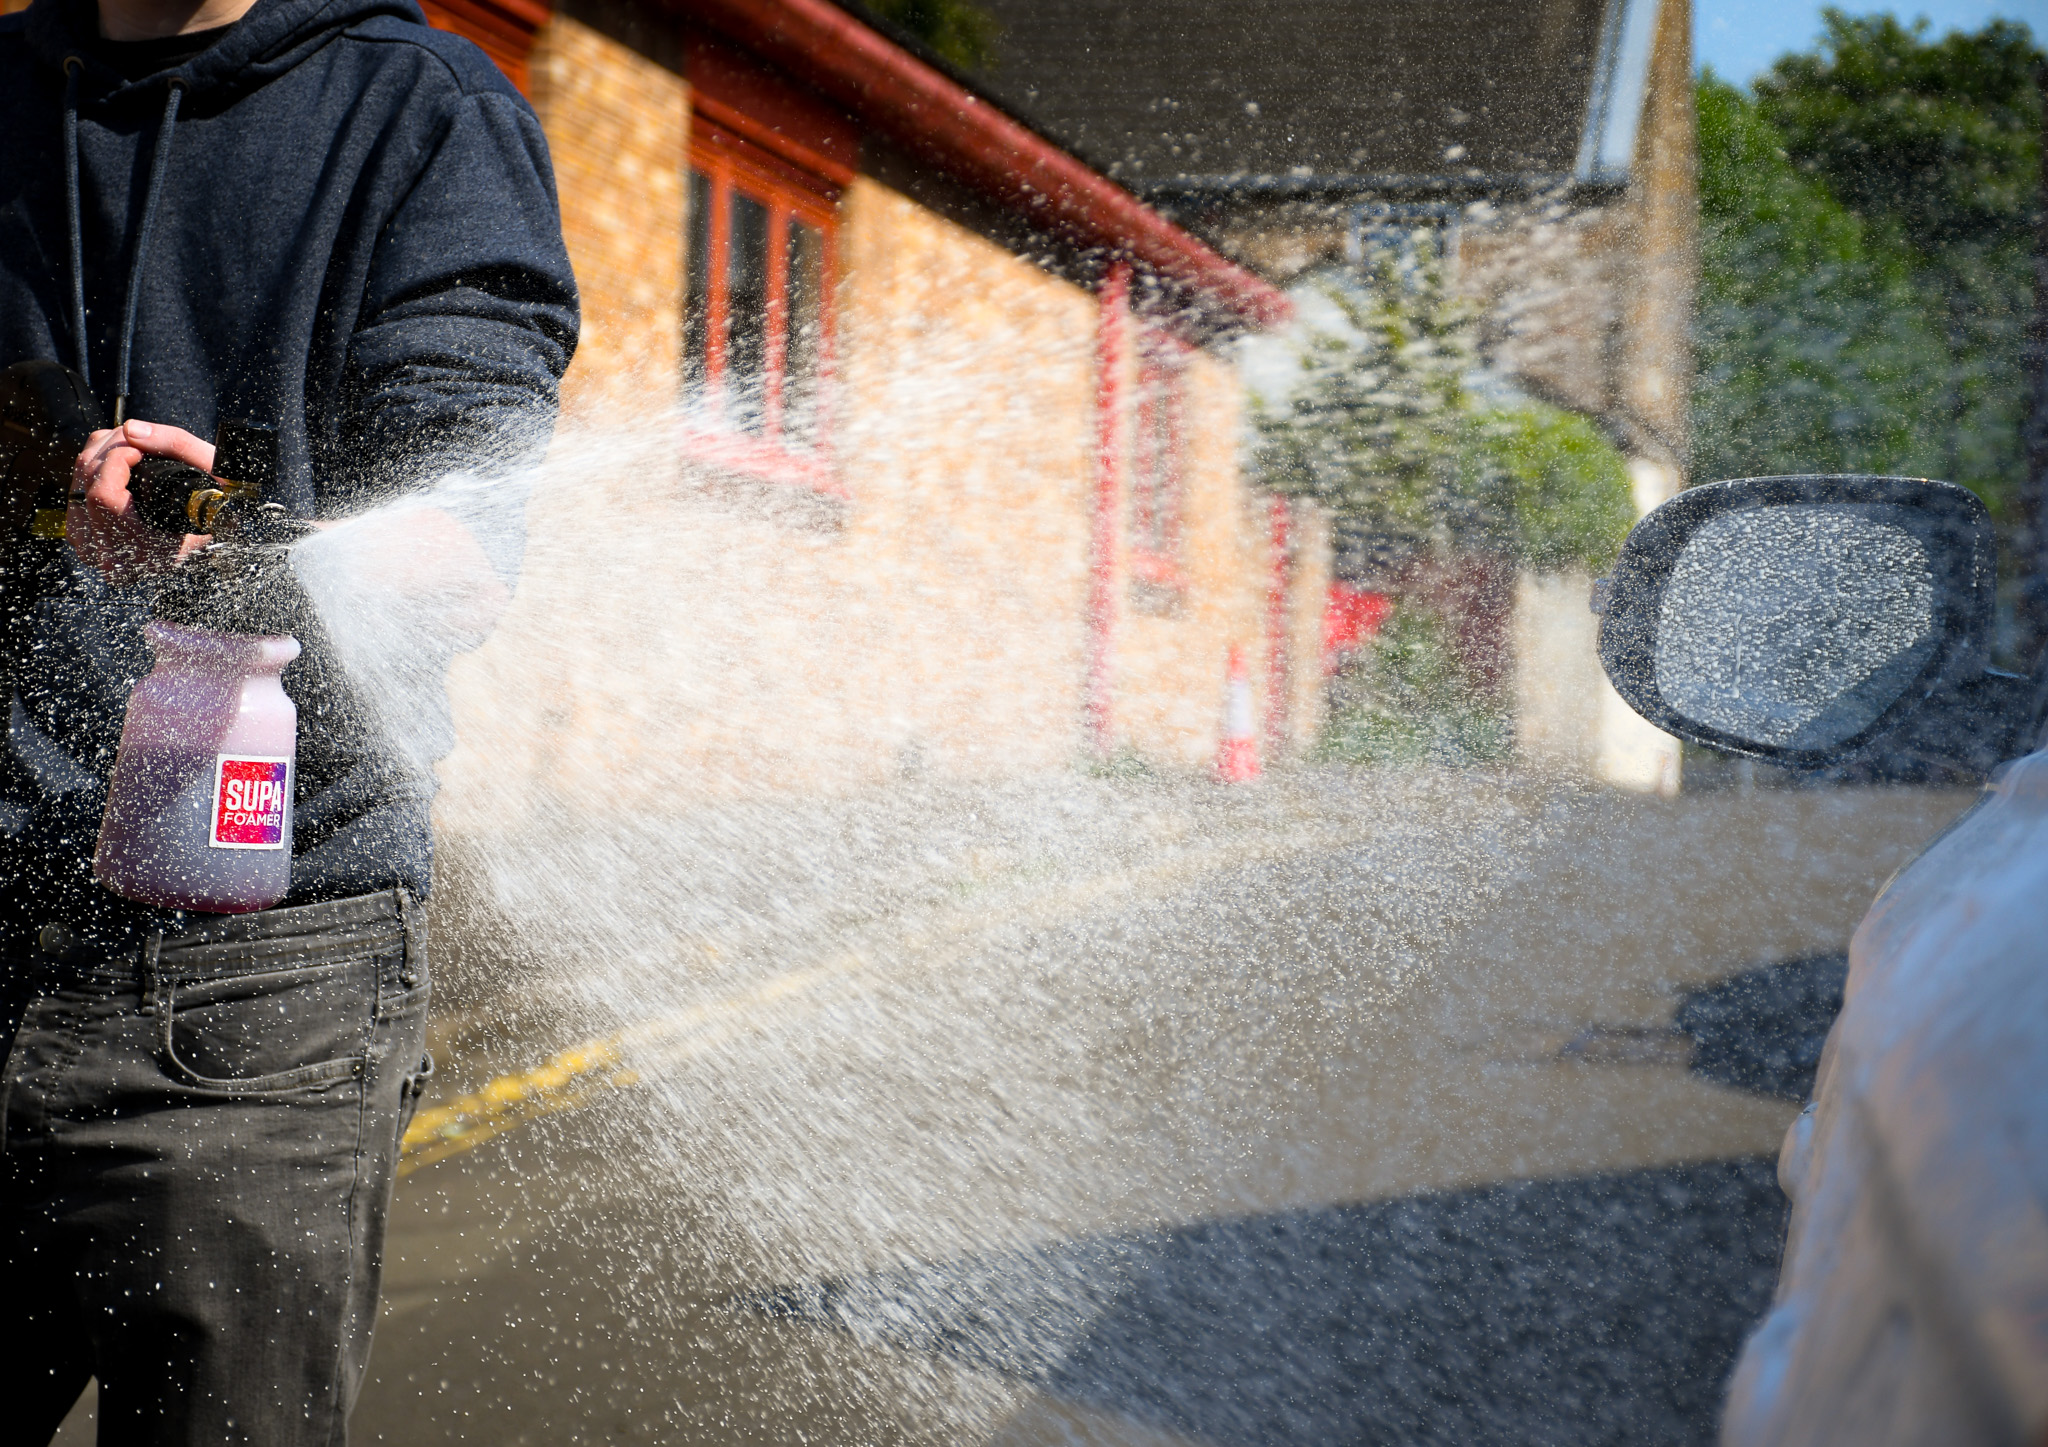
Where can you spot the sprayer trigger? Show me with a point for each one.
(203, 506)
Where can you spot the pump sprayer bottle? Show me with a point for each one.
(199, 809)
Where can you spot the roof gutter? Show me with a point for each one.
(938, 118)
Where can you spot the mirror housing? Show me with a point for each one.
(1800, 620)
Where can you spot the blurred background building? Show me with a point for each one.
(1548, 151)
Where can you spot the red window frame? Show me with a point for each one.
(726, 149)
(1159, 459)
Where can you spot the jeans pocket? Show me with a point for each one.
(271, 1030)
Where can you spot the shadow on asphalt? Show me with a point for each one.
(1596, 1309)
(1763, 1029)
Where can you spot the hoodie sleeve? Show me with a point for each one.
(470, 312)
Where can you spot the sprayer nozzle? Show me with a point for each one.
(175, 498)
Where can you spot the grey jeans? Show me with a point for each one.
(198, 1140)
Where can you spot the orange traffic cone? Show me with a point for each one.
(1237, 757)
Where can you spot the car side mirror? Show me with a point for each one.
(1800, 619)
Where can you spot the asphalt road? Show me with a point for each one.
(1358, 1112)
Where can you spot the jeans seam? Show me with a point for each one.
(70, 1049)
(281, 952)
(326, 1072)
(21, 1029)
(337, 1392)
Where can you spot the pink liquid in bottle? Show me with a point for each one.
(199, 811)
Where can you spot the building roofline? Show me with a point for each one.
(992, 95)
(934, 115)
(1470, 186)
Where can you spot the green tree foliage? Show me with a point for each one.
(1410, 700)
(1383, 429)
(1866, 238)
(956, 30)
(1941, 138)
(1814, 353)
(1378, 428)
(1568, 488)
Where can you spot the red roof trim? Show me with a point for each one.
(933, 116)
(504, 28)
(742, 93)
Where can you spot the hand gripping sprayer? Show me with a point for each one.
(199, 807)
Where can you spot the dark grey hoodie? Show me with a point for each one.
(355, 239)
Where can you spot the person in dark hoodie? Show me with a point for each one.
(324, 216)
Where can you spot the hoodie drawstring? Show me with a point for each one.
(72, 66)
(159, 165)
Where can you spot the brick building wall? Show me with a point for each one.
(684, 630)
(1172, 646)
(618, 128)
(967, 395)
(1172, 654)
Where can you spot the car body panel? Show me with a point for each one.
(1913, 1303)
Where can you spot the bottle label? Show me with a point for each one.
(249, 800)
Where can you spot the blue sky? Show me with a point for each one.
(1741, 37)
